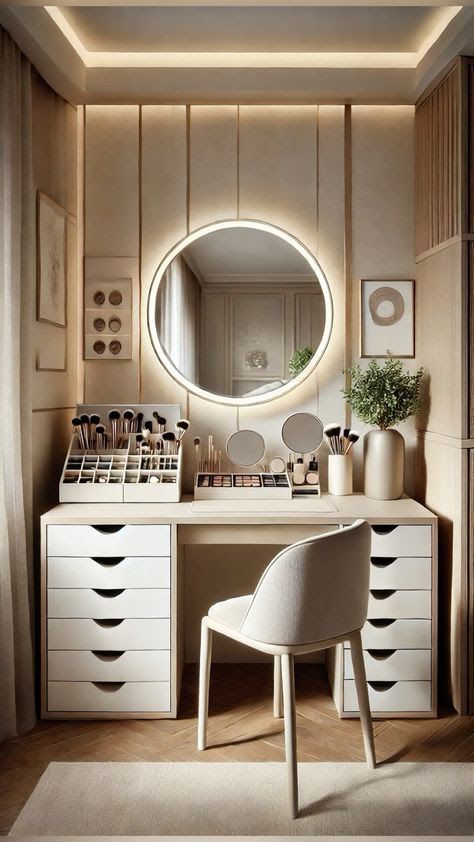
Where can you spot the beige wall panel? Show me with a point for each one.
(213, 144)
(115, 381)
(112, 181)
(442, 486)
(441, 301)
(383, 225)
(278, 167)
(71, 132)
(164, 191)
(51, 437)
(207, 418)
(330, 253)
(50, 154)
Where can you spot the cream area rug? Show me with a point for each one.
(249, 799)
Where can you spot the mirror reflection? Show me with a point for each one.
(239, 312)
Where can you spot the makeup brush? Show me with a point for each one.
(181, 427)
(332, 432)
(162, 423)
(353, 437)
(157, 419)
(139, 421)
(148, 426)
(171, 444)
(197, 453)
(99, 432)
(86, 430)
(77, 424)
(128, 416)
(94, 420)
(114, 418)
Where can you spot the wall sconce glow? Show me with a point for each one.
(254, 357)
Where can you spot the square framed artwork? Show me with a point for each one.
(387, 318)
(51, 262)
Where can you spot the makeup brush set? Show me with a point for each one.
(134, 456)
(340, 443)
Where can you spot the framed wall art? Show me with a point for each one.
(387, 318)
(51, 262)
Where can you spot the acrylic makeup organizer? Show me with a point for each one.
(127, 474)
(240, 486)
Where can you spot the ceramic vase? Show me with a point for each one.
(384, 464)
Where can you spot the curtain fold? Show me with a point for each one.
(17, 271)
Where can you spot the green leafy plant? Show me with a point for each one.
(300, 359)
(383, 395)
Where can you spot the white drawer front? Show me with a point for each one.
(399, 634)
(400, 573)
(128, 634)
(112, 572)
(130, 540)
(109, 666)
(108, 604)
(399, 604)
(134, 696)
(401, 541)
(393, 665)
(402, 696)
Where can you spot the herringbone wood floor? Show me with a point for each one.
(241, 727)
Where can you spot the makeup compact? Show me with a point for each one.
(302, 433)
(124, 454)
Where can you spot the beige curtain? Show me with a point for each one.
(17, 244)
(179, 317)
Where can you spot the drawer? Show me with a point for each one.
(396, 634)
(393, 664)
(130, 540)
(400, 573)
(109, 634)
(399, 604)
(133, 696)
(111, 572)
(391, 696)
(401, 540)
(108, 604)
(109, 666)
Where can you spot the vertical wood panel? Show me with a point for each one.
(111, 183)
(213, 164)
(439, 199)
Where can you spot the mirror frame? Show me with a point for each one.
(228, 400)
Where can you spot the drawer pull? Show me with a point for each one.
(106, 655)
(381, 654)
(377, 561)
(108, 529)
(108, 686)
(108, 624)
(108, 593)
(111, 561)
(382, 594)
(382, 686)
(383, 530)
(381, 624)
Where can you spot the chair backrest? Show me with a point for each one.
(313, 590)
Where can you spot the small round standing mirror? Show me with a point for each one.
(302, 432)
(245, 448)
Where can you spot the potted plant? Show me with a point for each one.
(383, 396)
(299, 360)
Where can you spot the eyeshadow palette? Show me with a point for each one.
(256, 486)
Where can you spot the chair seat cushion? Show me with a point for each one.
(231, 612)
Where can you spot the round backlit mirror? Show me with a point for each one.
(245, 448)
(302, 432)
(239, 312)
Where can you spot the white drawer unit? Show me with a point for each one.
(395, 541)
(109, 572)
(108, 540)
(105, 665)
(109, 628)
(108, 604)
(109, 697)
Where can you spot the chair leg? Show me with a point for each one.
(363, 698)
(288, 680)
(204, 675)
(277, 691)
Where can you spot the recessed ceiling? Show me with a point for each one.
(252, 52)
(202, 29)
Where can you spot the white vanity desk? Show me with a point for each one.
(112, 617)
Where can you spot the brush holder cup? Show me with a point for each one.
(340, 474)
